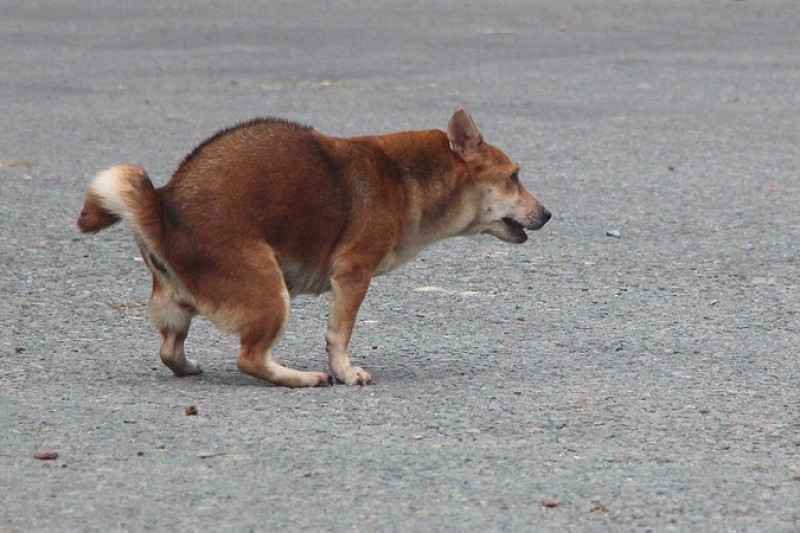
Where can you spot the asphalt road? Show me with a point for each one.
(579, 382)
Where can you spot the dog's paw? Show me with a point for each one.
(320, 379)
(190, 368)
(354, 375)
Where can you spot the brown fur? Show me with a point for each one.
(269, 209)
(93, 216)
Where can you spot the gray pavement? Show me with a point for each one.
(579, 382)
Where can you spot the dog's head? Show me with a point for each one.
(505, 208)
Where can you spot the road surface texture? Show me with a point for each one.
(633, 367)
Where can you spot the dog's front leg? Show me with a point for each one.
(349, 286)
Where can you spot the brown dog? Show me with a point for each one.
(267, 210)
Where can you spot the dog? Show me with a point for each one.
(269, 209)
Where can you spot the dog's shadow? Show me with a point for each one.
(390, 371)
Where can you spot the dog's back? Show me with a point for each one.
(267, 180)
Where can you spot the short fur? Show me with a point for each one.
(269, 209)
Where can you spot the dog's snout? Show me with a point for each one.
(545, 215)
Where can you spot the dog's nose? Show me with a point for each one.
(545, 214)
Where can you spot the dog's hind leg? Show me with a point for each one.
(172, 318)
(249, 296)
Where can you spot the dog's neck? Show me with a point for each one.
(433, 178)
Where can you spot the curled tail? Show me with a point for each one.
(123, 192)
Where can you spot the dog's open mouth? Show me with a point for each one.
(517, 230)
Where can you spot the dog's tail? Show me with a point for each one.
(123, 192)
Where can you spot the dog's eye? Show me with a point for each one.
(515, 177)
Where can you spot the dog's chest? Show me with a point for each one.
(397, 258)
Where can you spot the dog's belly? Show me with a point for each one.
(303, 280)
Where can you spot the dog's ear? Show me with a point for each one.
(465, 139)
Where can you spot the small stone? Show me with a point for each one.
(550, 504)
(45, 454)
(191, 411)
(613, 233)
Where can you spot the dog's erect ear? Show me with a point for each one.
(465, 139)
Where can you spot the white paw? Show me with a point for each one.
(354, 375)
(319, 379)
